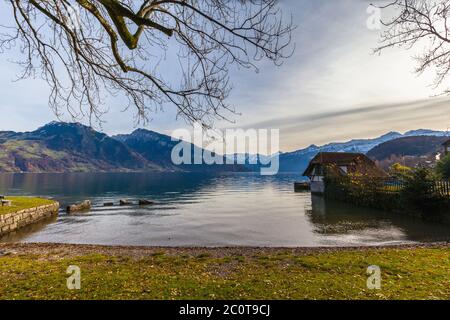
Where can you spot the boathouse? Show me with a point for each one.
(339, 163)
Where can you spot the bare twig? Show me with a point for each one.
(115, 45)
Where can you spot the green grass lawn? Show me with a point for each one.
(20, 203)
(407, 273)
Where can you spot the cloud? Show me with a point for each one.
(388, 110)
(362, 122)
(335, 88)
(332, 88)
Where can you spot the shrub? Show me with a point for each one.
(443, 168)
(360, 189)
(417, 192)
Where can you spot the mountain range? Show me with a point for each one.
(410, 151)
(72, 147)
(67, 147)
(297, 161)
(157, 149)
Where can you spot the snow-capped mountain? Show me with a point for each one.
(426, 132)
(245, 158)
(357, 145)
(297, 161)
(72, 147)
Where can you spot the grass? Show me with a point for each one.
(407, 273)
(32, 149)
(20, 203)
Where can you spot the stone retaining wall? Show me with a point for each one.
(12, 221)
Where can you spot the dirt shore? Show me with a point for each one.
(73, 250)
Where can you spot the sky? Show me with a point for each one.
(332, 89)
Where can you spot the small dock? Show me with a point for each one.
(302, 186)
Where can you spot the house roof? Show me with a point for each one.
(340, 158)
(344, 159)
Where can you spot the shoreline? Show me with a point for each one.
(142, 251)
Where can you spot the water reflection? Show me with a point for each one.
(22, 233)
(334, 218)
(97, 184)
(194, 209)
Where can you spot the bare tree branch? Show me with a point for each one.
(88, 49)
(422, 24)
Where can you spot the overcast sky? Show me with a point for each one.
(332, 89)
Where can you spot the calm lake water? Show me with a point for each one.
(207, 210)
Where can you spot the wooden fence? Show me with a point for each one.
(429, 200)
(441, 188)
(393, 186)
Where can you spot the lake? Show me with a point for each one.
(236, 209)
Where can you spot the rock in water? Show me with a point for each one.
(83, 206)
(145, 202)
(124, 202)
(108, 204)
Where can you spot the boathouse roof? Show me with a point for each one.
(358, 161)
